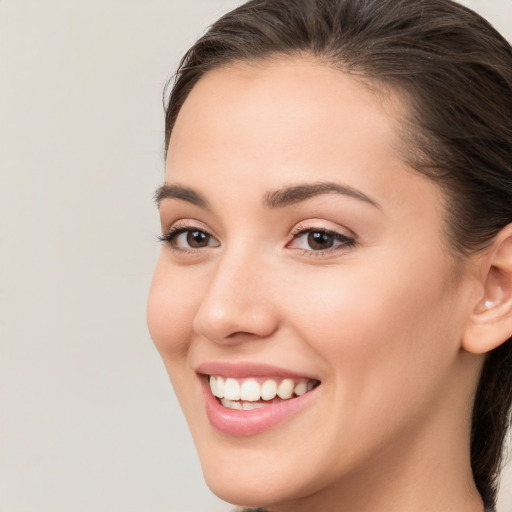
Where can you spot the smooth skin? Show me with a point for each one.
(381, 317)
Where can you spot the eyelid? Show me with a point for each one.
(184, 226)
(321, 225)
(346, 241)
(188, 223)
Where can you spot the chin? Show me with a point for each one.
(254, 478)
(240, 480)
(250, 497)
(249, 490)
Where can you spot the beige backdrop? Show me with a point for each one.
(88, 421)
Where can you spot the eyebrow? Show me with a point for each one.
(295, 194)
(281, 198)
(180, 192)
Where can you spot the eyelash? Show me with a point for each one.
(345, 242)
(177, 230)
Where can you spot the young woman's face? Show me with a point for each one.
(302, 256)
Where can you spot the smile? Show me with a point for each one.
(246, 400)
(254, 393)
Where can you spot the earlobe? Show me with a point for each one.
(491, 320)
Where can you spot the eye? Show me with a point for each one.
(185, 238)
(320, 240)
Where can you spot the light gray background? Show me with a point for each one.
(88, 421)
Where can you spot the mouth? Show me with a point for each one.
(246, 399)
(257, 392)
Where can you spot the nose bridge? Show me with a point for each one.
(237, 299)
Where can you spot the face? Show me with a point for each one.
(302, 257)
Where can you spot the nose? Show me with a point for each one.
(237, 305)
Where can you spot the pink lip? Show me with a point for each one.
(248, 423)
(242, 370)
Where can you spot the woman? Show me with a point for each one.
(333, 300)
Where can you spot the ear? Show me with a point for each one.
(491, 320)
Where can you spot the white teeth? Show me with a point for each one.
(219, 387)
(232, 389)
(268, 389)
(247, 406)
(213, 385)
(300, 388)
(238, 405)
(250, 391)
(285, 389)
(231, 404)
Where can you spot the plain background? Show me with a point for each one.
(88, 420)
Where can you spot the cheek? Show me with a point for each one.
(170, 315)
(381, 330)
(170, 311)
(387, 345)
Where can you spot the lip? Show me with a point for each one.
(243, 370)
(252, 422)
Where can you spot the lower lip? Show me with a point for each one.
(249, 423)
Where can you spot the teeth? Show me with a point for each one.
(300, 388)
(213, 385)
(268, 389)
(238, 405)
(220, 387)
(217, 386)
(250, 391)
(285, 389)
(232, 389)
(247, 406)
(231, 404)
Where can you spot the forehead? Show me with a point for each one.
(284, 89)
(285, 107)
(286, 119)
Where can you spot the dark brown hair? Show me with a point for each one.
(454, 72)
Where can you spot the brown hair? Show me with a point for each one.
(455, 72)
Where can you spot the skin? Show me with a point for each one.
(380, 323)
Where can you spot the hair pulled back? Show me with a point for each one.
(454, 72)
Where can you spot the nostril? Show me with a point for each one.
(234, 322)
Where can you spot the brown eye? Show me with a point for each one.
(183, 238)
(320, 240)
(197, 239)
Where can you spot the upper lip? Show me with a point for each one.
(246, 369)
